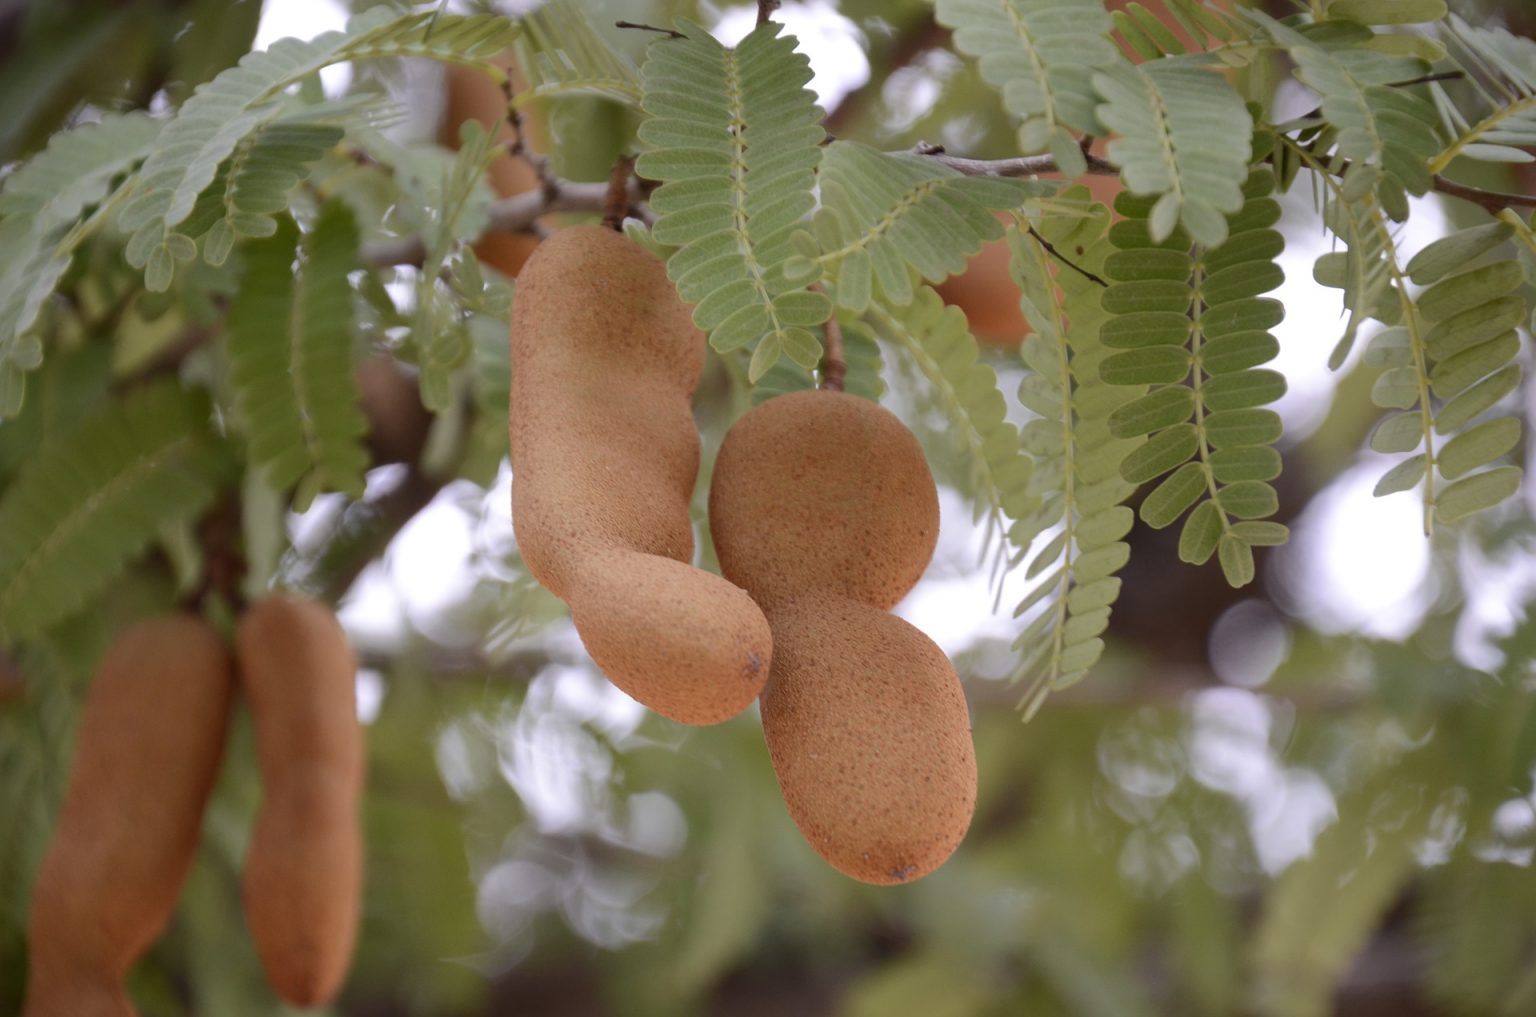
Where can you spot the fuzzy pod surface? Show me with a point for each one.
(605, 455)
(302, 880)
(147, 753)
(823, 507)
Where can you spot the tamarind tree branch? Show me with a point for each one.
(518, 213)
(834, 368)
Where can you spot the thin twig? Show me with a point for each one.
(518, 148)
(1024, 166)
(649, 28)
(616, 200)
(1493, 201)
(1051, 250)
(765, 9)
(1425, 79)
(834, 367)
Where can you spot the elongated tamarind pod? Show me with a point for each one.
(823, 508)
(605, 359)
(147, 753)
(303, 870)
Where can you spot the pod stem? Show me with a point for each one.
(833, 367)
(616, 202)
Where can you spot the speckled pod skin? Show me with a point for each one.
(605, 358)
(823, 508)
(147, 753)
(302, 882)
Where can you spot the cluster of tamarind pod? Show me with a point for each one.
(147, 753)
(824, 515)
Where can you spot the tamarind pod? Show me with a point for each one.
(822, 506)
(823, 491)
(302, 883)
(869, 735)
(80, 997)
(147, 752)
(605, 455)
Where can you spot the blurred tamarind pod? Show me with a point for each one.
(147, 753)
(303, 870)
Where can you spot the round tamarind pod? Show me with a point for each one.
(302, 882)
(823, 491)
(147, 752)
(605, 454)
(823, 507)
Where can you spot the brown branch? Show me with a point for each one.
(616, 200)
(365, 530)
(518, 147)
(1491, 201)
(765, 9)
(1051, 250)
(649, 28)
(834, 368)
(224, 565)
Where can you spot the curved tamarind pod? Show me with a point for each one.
(822, 506)
(147, 753)
(605, 359)
(303, 871)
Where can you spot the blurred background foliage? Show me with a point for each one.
(1274, 801)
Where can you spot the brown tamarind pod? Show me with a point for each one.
(303, 870)
(822, 506)
(605, 359)
(147, 753)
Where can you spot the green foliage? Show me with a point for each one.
(861, 357)
(1152, 40)
(1184, 136)
(252, 185)
(734, 138)
(1192, 322)
(1041, 56)
(884, 217)
(209, 126)
(559, 53)
(94, 498)
(40, 210)
(1386, 132)
(291, 335)
(937, 339)
(1323, 908)
(1506, 98)
(1076, 487)
(1447, 364)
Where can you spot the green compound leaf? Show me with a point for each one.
(884, 218)
(1208, 426)
(252, 185)
(1505, 124)
(40, 207)
(93, 498)
(1077, 483)
(1447, 365)
(560, 53)
(735, 138)
(940, 343)
(1185, 136)
(210, 126)
(1040, 55)
(291, 330)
